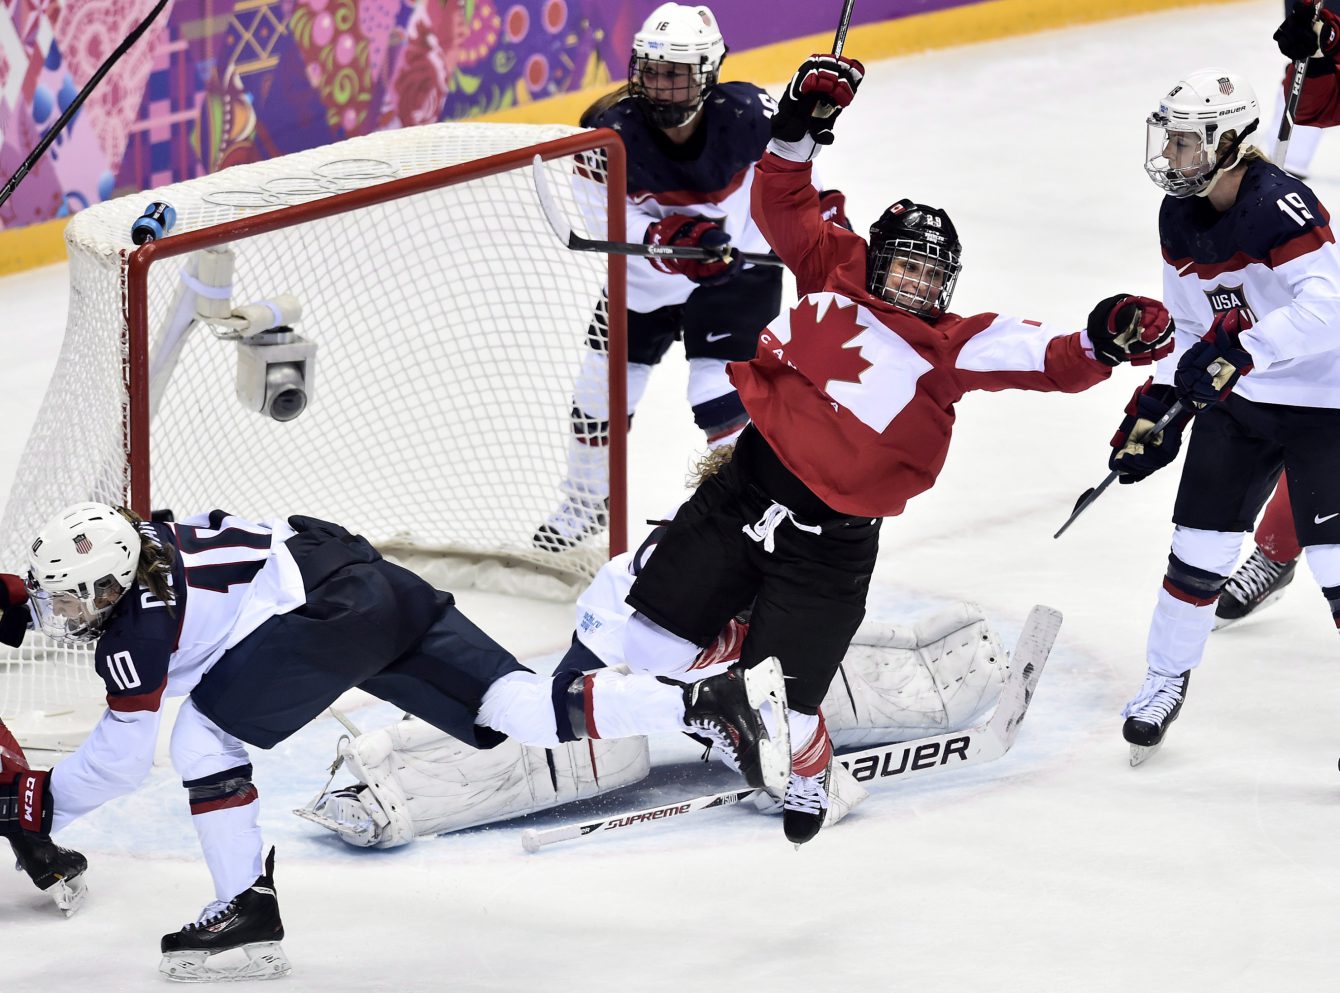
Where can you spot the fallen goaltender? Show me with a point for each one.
(921, 685)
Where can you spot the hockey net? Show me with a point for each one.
(449, 326)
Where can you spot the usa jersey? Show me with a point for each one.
(229, 575)
(855, 396)
(1272, 252)
(710, 175)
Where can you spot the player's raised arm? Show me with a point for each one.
(786, 205)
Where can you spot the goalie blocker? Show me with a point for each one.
(897, 682)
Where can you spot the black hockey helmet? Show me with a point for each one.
(914, 258)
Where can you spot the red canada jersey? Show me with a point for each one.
(855, 396)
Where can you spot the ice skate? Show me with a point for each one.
(248, 924)
(743, 712)
(1257, 583)
(1154, 708)
(805, 806)
(58, 872)
(575, 520)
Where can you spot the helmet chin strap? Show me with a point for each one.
(1228, 162)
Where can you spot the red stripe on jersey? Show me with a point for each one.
(588, 704)
(1185, 597)
(137, 702)
(595, 769)
(241, 798)
(687, 198)
(1308, 241)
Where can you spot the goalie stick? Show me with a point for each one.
(984, 743)
(575, 242)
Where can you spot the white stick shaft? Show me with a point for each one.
(533, 839)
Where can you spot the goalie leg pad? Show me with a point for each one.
(422, 782)
(907, 681)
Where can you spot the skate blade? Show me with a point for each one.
(1142, 753)
(264, 960)
(765, 689)
(69, 894)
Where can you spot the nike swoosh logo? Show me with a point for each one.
(1318, 519)
(1186, 267)
(718, 337)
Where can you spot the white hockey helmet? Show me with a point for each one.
(676, 59)
(1200, 131)
(80, 563)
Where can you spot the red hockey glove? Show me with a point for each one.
(13, 590)
(1136, 455)
(821, 87)
(1305, 34)
(683, 231)
(25, 804)
(833, 208)
(1132, 329)
(1208, 370)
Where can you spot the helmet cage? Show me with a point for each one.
(671, 93)
(922, 280)
(75, 616)
(1181, 157)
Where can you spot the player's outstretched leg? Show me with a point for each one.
(54, 870)
(743, 711)
(1258, 583)
(1154, 708)
(249, 921)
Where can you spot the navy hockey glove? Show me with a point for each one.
(1125, 328)
(1135, 455)
(833, 208)
(1208, 370)
(683, 231)
(25, 804)
(821, 87)
(1305, 34)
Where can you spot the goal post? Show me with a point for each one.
(384, 332)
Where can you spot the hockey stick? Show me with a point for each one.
(573, 241)
(533, 839)
(840, 39)
(54, 131)
(1087, 498)
(984, 743)
(1291, 103)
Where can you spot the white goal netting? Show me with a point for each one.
(440, 335)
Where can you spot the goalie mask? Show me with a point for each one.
(1200, 131)
(79, 565)
(676, 59)
(914, 258)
